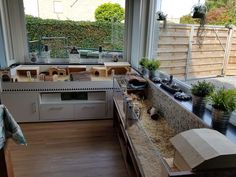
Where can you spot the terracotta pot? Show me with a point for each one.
(198, 105)
(220, 119)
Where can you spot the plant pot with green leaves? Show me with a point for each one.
(223, 104)
(143, 63)
(199, 11)
(152, 66)
(200, 91)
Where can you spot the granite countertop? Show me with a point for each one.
(149, 138)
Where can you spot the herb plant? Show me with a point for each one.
(224, 100)
(202, 89)
(153, 65)
(143, 62)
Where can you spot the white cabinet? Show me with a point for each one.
(22, 105)
(56, 101)
(90, 111)
(56, 112)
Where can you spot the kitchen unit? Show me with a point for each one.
(33, 100)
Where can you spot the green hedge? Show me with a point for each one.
(79, 33)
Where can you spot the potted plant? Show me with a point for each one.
(152, 66)
(143, 63)
(199, 92)
(162, 17)
(199, 11)
(223, 104)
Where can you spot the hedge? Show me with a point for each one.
(79, 33)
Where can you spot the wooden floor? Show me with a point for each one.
(69, 149)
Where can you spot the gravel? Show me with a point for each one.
(228, 82)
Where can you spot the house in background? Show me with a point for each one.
(77, 10)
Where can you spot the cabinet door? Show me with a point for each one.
(90, 111)
(22, 106)
(56, 112)
(109, 104)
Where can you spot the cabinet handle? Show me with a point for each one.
(55, 108)
(34, 109)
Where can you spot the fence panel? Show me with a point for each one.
(198, 53)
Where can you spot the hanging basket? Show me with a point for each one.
(199, 11)
(161, 16)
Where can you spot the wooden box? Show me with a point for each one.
(118, 67)
(201, 152)
(75, 69)
(22, 71)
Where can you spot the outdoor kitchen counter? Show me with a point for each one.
(149, 139)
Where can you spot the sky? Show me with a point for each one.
(178, 8)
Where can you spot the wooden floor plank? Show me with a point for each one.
(68, 149)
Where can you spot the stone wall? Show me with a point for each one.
(178, 117)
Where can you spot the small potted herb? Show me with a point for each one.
(223, 104)
(152, 66)
(200, 91)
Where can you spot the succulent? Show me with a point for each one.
(202, 89)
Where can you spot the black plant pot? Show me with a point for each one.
(197, 14)
(198, 105)
(220, 120)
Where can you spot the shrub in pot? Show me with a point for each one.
(199, 92)
(143, 63)
(152, 66)
(223, 104)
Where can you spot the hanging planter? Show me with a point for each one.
(199, 11)
(162, 17)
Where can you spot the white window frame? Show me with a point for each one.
(14, 31)
(143, 34)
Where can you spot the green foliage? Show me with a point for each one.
(110, 12)
(224, 100)
(187, 19)
(202, 89)
(220, 12)
(143, 62)
(79, 33)
(153, 65)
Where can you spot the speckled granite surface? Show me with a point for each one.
(149, 138)
(178, 117)
(158, 131)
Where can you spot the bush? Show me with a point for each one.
(79, 33)
(110, 12)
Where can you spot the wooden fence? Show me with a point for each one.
(188, 52)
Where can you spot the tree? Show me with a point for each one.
(220, 12)
(110, 12)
